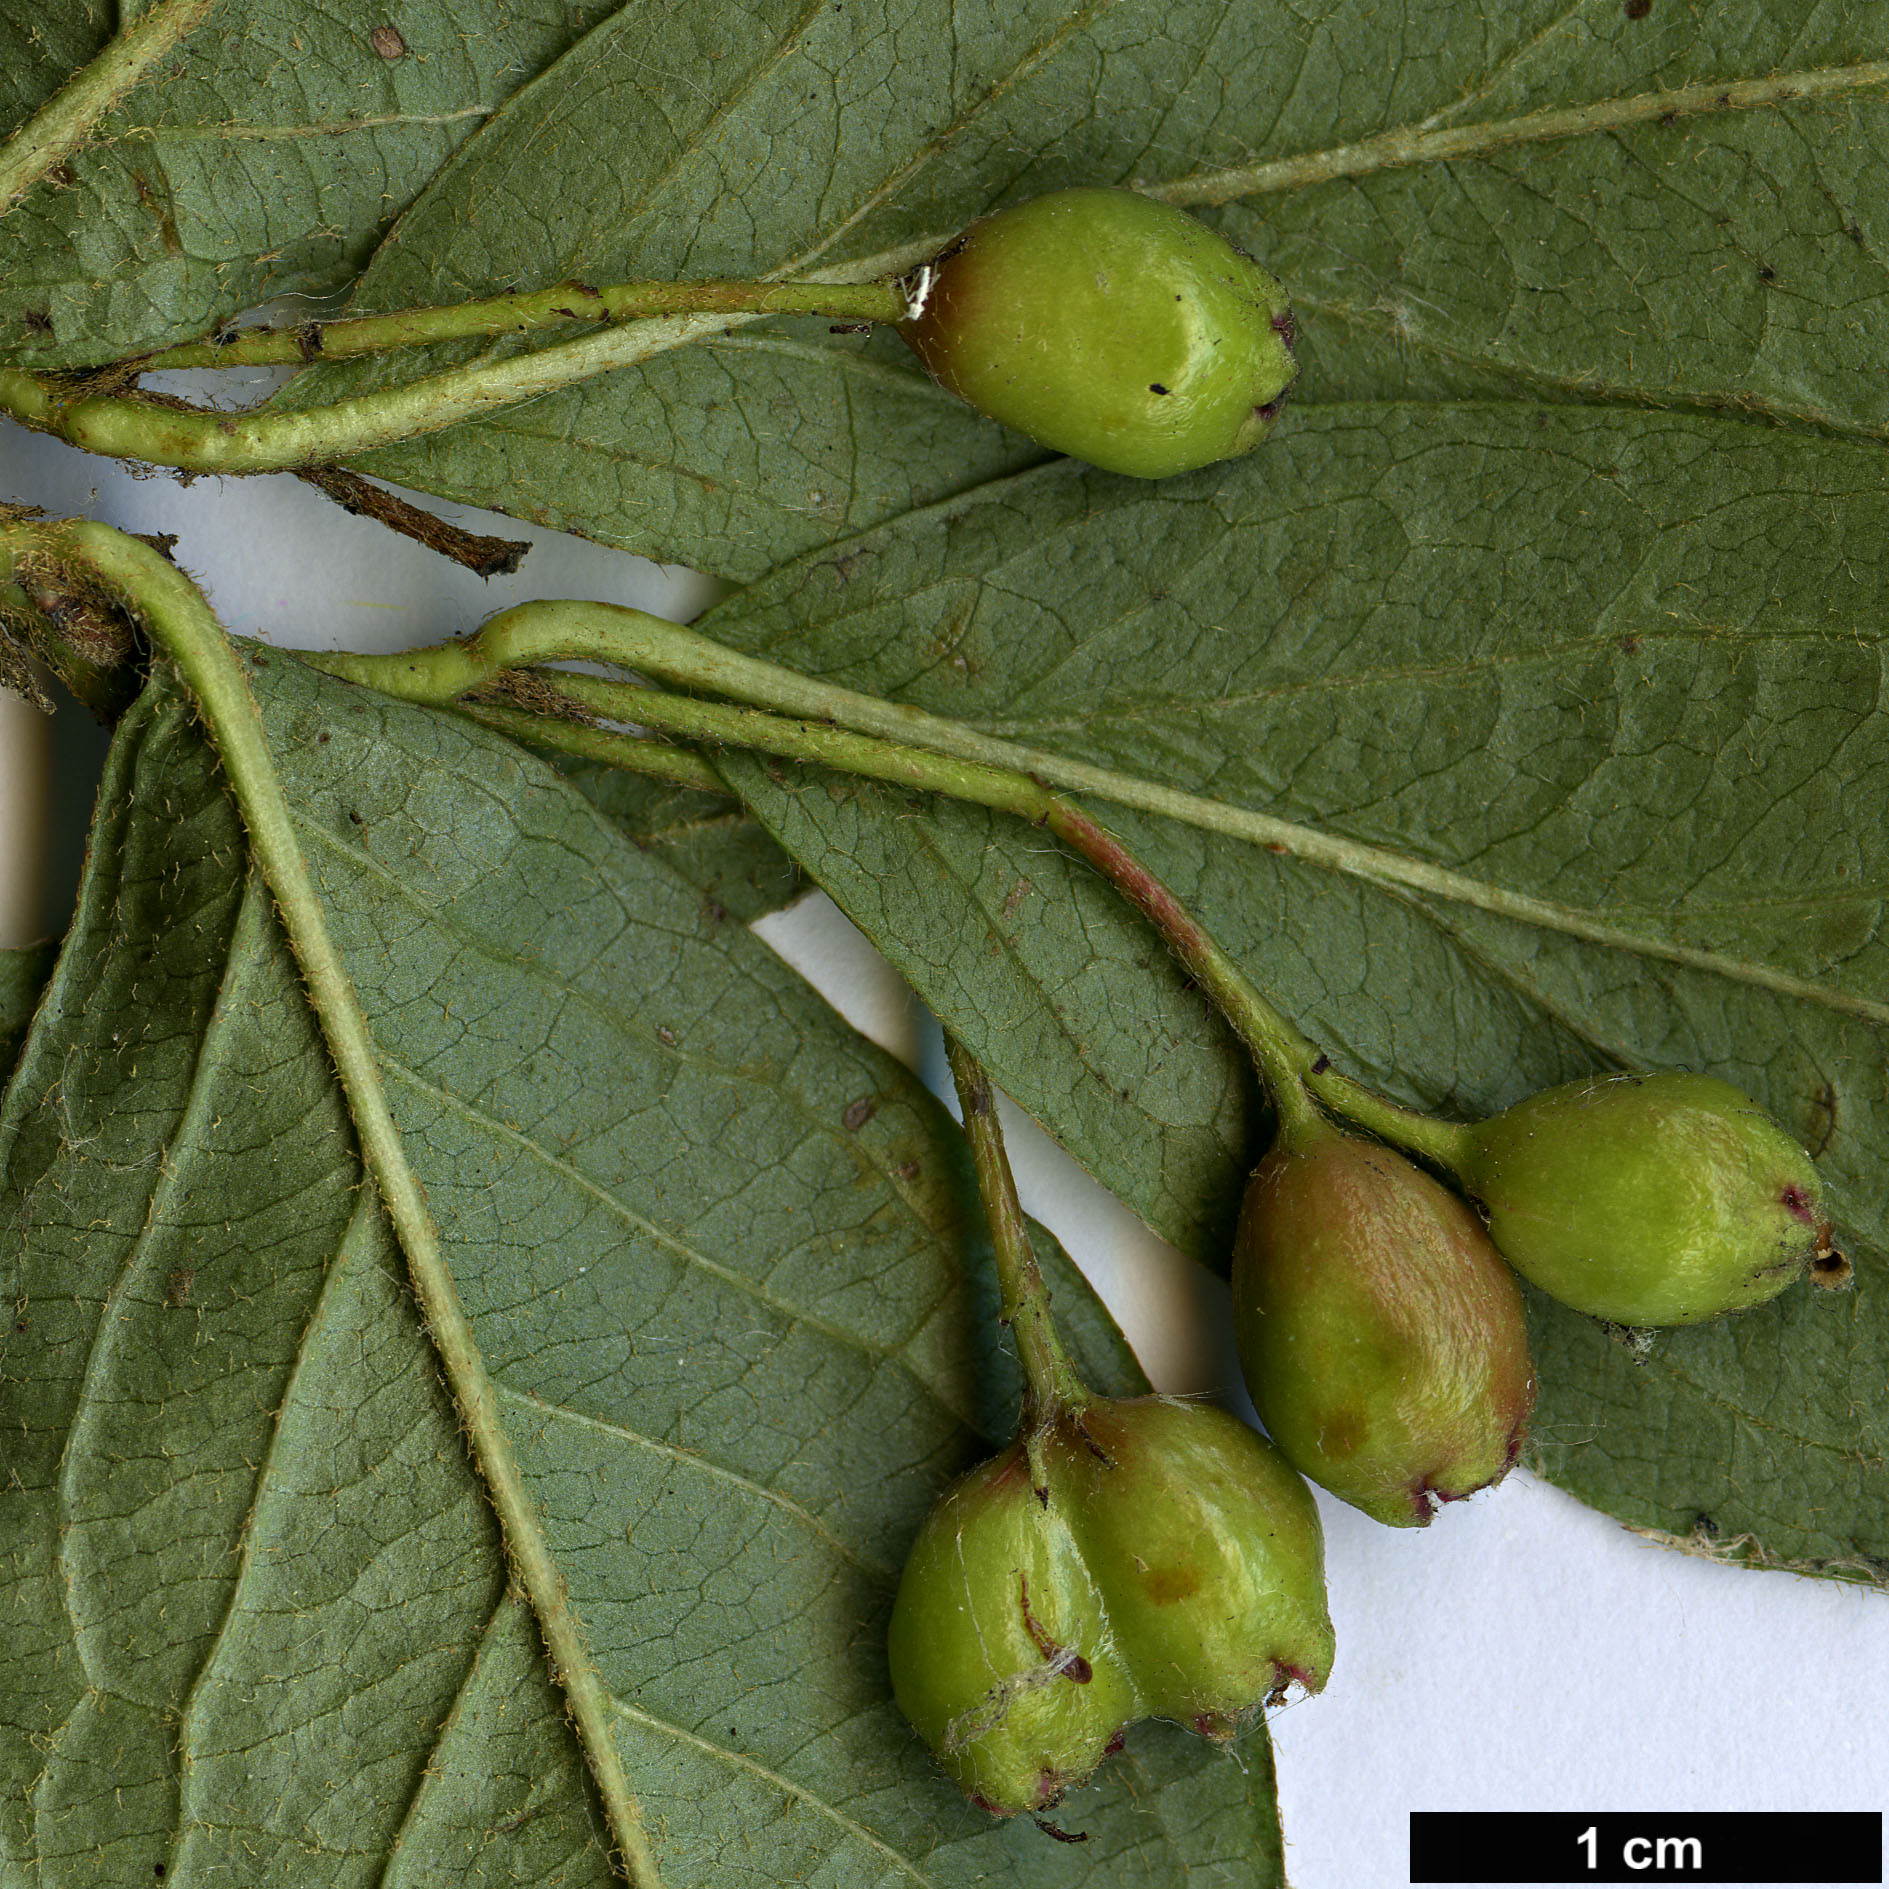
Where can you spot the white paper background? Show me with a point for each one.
(1524, 1653)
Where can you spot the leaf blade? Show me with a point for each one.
(1624, 668)
(728, 1378)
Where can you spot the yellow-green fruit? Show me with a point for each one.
(1208, 1550)
(1000, 1646)
(1110, 327)
(1648, 1200)
(1383, 1338)
(1133, 1559)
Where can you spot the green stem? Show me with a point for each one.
(66, 119)
(657, 759)
(180, 622)
(1051, 1386)
(526, 312)
(126, 426)
(1289, 1065)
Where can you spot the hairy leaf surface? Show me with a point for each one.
(1592, 704)
(716, 1253)
(1732, 257)
(268, 156)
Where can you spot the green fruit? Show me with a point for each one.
(1110, 327)
(1649, 1200)
(1383, 1338)
(1207, 1550)
(1127, 1560)
(1000, 1646)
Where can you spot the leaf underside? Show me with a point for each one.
(23, 973)
(717, 1254)
(1628, 666)
(1505, 595)
(1732, 258)
(268, 156)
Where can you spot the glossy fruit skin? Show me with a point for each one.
(1112, 328)
(1648, 1200)
(1383, 1337)
(1131, 1559)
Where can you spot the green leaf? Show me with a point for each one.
(710, 840)
(716, 1254)
(268, 157)
(1734, 258)
(23, 973)
(1588, 706)
(790, 136)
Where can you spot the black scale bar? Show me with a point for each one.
(1818, 1847)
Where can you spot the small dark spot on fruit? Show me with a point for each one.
(1766, 273)
(1796, 1203)
(859, 1113)
(1167, 1585)
(1637, 9)
(386, 41)
(1155, 387)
